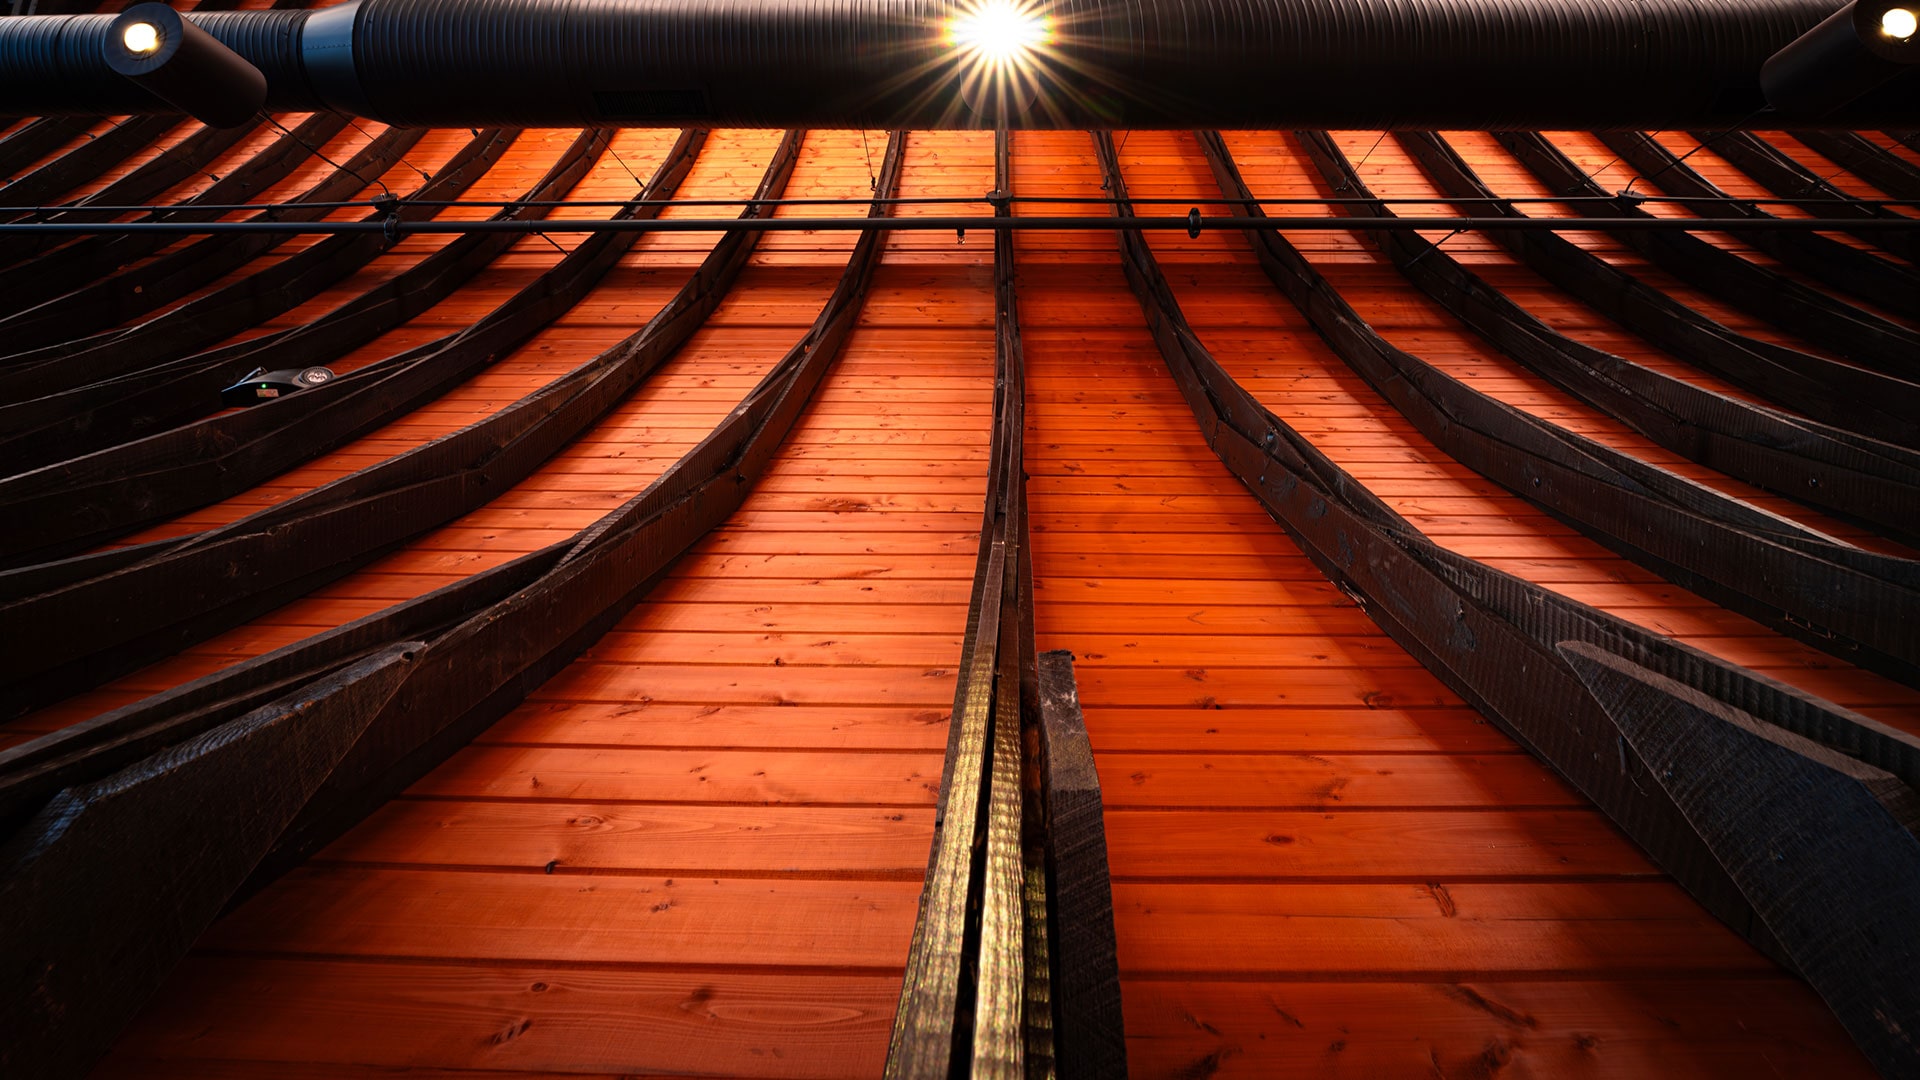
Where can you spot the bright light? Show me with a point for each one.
(1899, 23)
(999, 31)
(141, 38)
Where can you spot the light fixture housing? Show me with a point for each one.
(1850, 54)
(176, 61)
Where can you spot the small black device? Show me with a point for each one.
(263, 385)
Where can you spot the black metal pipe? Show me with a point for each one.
(1193, 223)
(1740, 203)
(1504, 64)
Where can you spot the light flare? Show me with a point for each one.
(141, 38)
(999, 32)
(1899, 23)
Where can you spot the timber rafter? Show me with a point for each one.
(185, 590)
(1681, 529)
(395, 693)
(55, 273)
(237, 306)
(1817, 464)
(1785, 177)
(1859, 335)
(198, 463)
(1826, 390)
(1520, 653)
(1888, 285)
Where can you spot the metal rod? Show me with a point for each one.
(936, 200)
(399, 228)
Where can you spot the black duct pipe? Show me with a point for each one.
(1865, 44)
(151, 46)
(889, 63)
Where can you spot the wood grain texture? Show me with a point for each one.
(698, 851)
(1219, 690)
(714, 822)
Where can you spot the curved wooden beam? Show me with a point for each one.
(184, 590)
(1888, 285)
(1834, 469)
(1827, 390)
(1860, 336)
(1854, 603)
(58, 272)
(1499, 641)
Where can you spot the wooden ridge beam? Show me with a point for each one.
(940, 1028)
(1017, 867)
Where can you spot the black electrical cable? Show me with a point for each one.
(315, 151)
(1627, 193)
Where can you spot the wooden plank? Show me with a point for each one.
(1328, 782)
(1614, 1027)
(736, 684)
(1434, 930)
(1429, 843)
(783, 650)
(1383, 730)
(708, 725)
(738, 776)
(287, 1017)
(850, 926)
(658, 840)
(1210, 688)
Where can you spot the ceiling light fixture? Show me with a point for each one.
(175, 60)
(999, 31)
(1851, 54)
(141, 38)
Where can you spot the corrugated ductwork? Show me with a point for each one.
(884, 63)
(56, 64)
